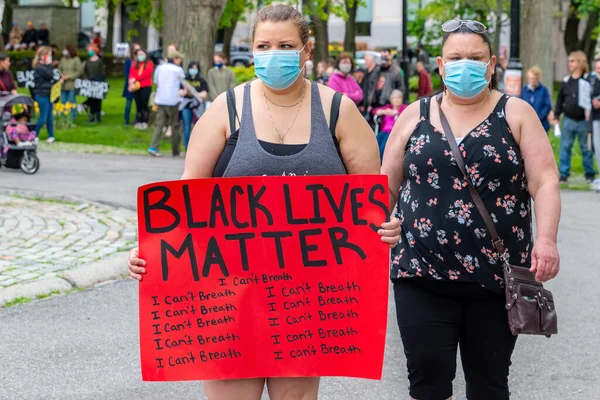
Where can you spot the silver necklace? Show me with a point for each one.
(281, 105)
(285, 105)
(293, 120)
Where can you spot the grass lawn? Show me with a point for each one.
(112, 136)
(111, 132)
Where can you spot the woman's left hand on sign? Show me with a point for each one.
(390, 232)
(135, 264)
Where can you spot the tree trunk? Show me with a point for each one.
(110, 23)
(2, 7)
(571, 35)
(589, 38)
(321, 36)
(192, 24)
(228, 31)
(498, 30)
(350, 37)
(536, 49)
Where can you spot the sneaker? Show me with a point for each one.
(564, 179)
(21, 144)
(144, 125)
(50, 140)
(154, 152)
(589, 181)
(595, 185)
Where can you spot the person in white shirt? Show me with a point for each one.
(168, 80)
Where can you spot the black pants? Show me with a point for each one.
(142, 97)
(95, 107)
(434, 318)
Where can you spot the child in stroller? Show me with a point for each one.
(18, 141)
(18, 132)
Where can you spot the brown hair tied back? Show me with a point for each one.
(283, 13)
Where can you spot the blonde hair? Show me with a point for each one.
(537, 71)
(583, 61)
(283, 13)
(41, 52)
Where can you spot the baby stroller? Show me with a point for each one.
(24, 155)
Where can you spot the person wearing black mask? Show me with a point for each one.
(390, 79)
(193, 104)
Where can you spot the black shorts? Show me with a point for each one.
(434, 318)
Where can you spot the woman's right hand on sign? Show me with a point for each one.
(136, 265)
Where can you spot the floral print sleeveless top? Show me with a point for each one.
(443, 235)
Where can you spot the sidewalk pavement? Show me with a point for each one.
(54, 245)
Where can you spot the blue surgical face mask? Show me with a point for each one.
(466, 78)
(278, 69)
(219, 65)
(193, 71)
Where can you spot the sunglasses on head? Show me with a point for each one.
(455, 24)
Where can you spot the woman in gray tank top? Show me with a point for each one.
(283, 130)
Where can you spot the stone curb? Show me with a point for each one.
(61, 197)
(111, 268)
(33, 289)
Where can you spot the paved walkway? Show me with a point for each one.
(103, 178)
(42, 237)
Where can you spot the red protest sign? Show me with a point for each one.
(263, 277)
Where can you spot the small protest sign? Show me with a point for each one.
(26, 78)
(55, 91)
(91, 89)
(263, 277)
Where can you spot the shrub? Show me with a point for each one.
(244, 74)
(21, 60)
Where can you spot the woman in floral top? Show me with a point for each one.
(447, 276)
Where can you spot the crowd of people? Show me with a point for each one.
(375, 88)
(30, 39)
(181, 95)
(378, 89)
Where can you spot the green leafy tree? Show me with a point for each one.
(191, 24)
(582, 12)
(442, 10)
(350, 18)
(234, 12)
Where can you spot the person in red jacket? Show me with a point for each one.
(425, 87)
(140, 84)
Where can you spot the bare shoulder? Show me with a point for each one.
(347, 106)
(517, 112)
(325, 91)
(409, 118)
(219, 109)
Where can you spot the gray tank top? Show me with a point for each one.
(319, 157)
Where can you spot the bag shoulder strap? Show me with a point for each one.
(424, 105)
(501, 104)
(485, 214)
(231, 109)
(335, 112)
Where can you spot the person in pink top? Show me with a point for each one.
(388, 115)
(17, 130)
(342, 80)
